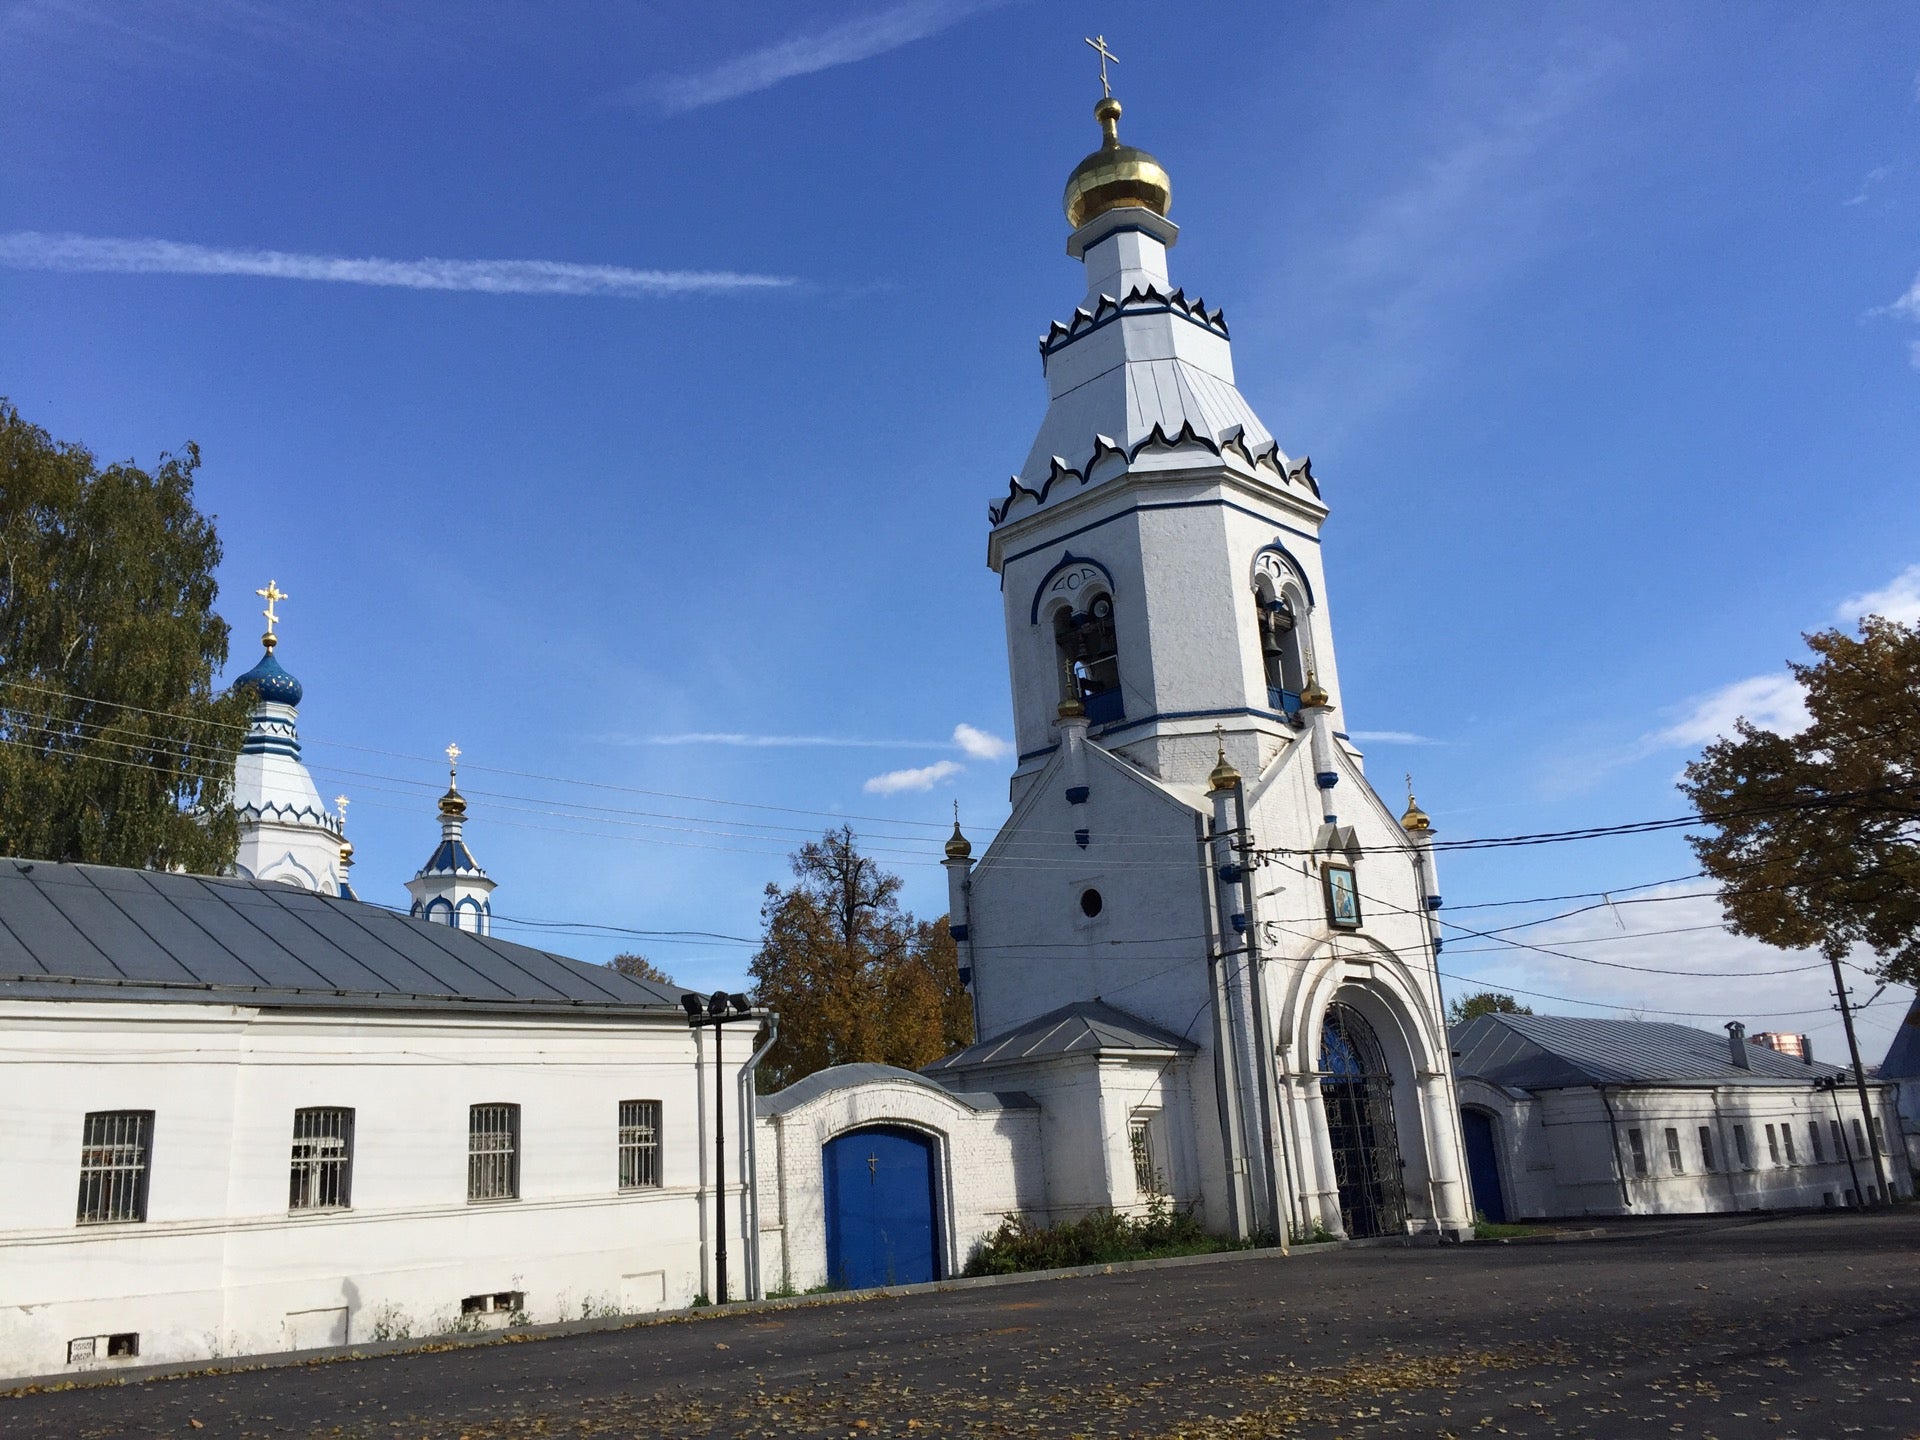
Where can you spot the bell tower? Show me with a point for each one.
(1159, 554)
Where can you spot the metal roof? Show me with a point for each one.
(1085, 1027)
(845, 1077)
(72, 932)
(1544, 1052)
(1903, 1056)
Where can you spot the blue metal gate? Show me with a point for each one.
(1483, 1164)
(880, 1208)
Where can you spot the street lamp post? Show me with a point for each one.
(718, 1011)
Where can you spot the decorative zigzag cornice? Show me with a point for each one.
(1264, 456)
(1151, 301)
(271, 813)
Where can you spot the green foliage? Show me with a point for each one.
(1101, 1238)
(1485, 1229)
(1815, 838)
(1486, 1002)
(114, 747)
(638, 967)
(853, 977)
(1315, 1234)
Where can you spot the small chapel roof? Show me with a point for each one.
(1903, 1055)
(1548, 1052)
(1085, 1027)
(97, 932)
(861, 1073)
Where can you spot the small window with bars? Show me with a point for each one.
(1786, 1143)
(1674, 1162)
(1879, 1137)
(1859, 1136)
(115, 1151)
(1146, 1174)
(639, 1144)
(1740, 1147)
(1638, 1144)
(322, 1176)
(1813, 1134)
(1839, 1139)
(1706, 1147)
(1773, 1146)
(493, 1152)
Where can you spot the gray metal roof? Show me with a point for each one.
(1544, 1052)
(1085, 1027)
(1903, 1055)
(72, 932)
(845, 1077)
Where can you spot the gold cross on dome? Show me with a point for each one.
(453, 760)
(271, 594)
(1099, 44)
(341, 801)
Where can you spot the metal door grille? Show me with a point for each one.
(639, 1144)
(493, 1152)
(1146, 1177)
(322, 1159)
(113, 1166)
(1357, 1091)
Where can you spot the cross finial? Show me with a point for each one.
(956, 812)
(1099, 44)
(453, 761)
(341, 801)
(1409, 787)
(271, 594)
(1220, 740)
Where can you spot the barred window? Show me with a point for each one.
(1740, 1147)
(115, 1148)
(1879, 1137)
(1813, 1134)
(1859, 1137)
(1673, 1152)
(1146, 1175)
(493, 1152)
(639, 1144)
(1706, 1147)
(1839, 1139)
(322, 1159)
(1638, 1144)
(1773, 1146)
(1786, 1141)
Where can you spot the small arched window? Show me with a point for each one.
(1278, 617)
(1089, 652)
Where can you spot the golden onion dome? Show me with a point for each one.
(1415, 819)
(1224, 776)
(1072, 709)
(346, 852)
(958, 846)
(453, 804)
(1315, 697)
(1115, 175)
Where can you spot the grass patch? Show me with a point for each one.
(1489, 1230)
(1101, 1238)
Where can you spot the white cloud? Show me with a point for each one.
(1908, 305)
(1873, 177)
(745, 741)
(34, 250)
(923, 778)
(1772, 702)
(1391, 737)
(1899, 601)
(861, 38)
(1721, 976)
(980, 744)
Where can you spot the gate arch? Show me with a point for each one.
(882, 1207)
(1356, 1089)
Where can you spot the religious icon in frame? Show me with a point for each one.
(1343, 897)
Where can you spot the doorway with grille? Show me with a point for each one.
(1356, 1089)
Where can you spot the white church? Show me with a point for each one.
(259, 1113)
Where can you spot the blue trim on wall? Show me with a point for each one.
(1069, 558)
(1191, 715)
(1036, 754)
(1163, 505)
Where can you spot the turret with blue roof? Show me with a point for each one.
(451, 888)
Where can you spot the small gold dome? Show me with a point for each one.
(1315, 696)
(1415, 819)
(453, 804)
(1224, 776)
(1115, 175)
(1072, 710)
(346, 852)
(958, 846)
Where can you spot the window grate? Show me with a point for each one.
(493, 1152)
(1674, 1162)
(322, 1159)
(1146, 1179)
(1638, 1144)
(639, 1144)
(1813, 1134)
(1786, 1144)
(1706, 1148)
(113, 1166)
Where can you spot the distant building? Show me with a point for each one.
(1797, 1046)
(1901, 1069)
(1566, 1115)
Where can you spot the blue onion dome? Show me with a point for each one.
(272, 681)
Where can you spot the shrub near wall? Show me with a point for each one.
(1102, 1238)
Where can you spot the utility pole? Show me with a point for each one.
(717, 1012)
(1860, 1082)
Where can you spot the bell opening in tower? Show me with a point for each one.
(1090, 659)
(1280, 648)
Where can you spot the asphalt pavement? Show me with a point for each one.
(1798, 1326)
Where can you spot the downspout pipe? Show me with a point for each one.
(750, 1132)
(1613, 1128)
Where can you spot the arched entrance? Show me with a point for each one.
(881, 1211)
(1357, 1091)
(1483, 1165)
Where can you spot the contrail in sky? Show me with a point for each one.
(35, 250)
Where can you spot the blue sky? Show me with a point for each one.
(618, 390)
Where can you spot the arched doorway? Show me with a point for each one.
(1357, 1091)
(881, 1210)
(1483, 1165)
